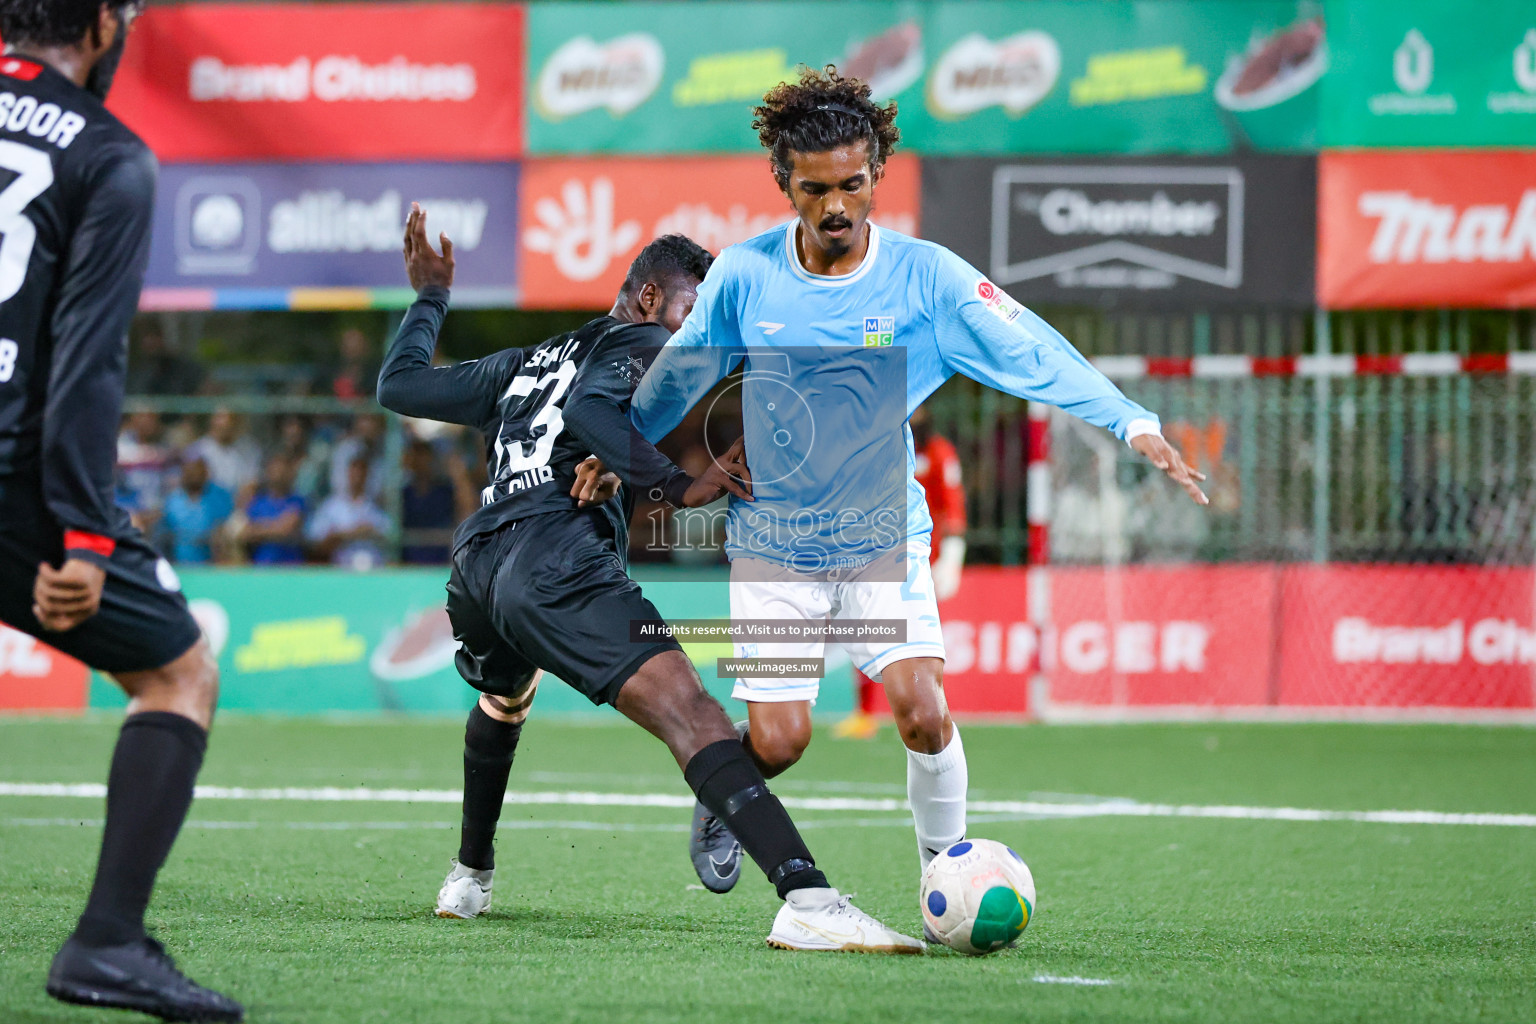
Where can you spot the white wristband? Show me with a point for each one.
(1137, 428)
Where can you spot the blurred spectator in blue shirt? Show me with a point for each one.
(365, 439)
(143, 465)
(194, 514)
(348, 528)
(274, 518)
(233, 459)
(432, 505)
(310, 455)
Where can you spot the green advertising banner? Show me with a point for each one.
(1126, 77)
(1431, 73)
(321, 641)
(990, 76)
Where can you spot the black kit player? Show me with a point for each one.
(539, 577)
(78, 191)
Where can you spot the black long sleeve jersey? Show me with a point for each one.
(542, 410)
(75, 209)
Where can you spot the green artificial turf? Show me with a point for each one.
(311, 911)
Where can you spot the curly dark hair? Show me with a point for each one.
(666, 257)
(53, 22)
(822, 111)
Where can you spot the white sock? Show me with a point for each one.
(812, 899)
(936, 785)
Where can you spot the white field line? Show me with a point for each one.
(1056, 979)
(1033, 808)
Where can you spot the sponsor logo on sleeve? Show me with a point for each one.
(998, 302)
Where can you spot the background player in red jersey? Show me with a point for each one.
(938, 470)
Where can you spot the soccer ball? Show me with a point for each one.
(978, 896)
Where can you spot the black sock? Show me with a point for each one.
(148, 792)
(726, 781)
(489, 745)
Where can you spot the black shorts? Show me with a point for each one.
(549, 592)
(143, 622)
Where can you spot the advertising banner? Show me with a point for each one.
(1405, 636)
(583, 221)
(264, 226)
(35, 677)
(1427, 229)
(1131, 232)
(313, 641)
(980, 77)
(1190, 635)
(350, 81)
(1430, 73)
(1246, 636)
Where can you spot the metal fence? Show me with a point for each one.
(1381, 467)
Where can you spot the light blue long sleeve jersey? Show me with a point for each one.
(835, 365)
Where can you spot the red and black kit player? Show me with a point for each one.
(76, 194)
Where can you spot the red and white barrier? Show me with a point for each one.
(1417, 364)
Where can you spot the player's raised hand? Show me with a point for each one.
(65, 597)
(594, 483)
(423, 265)
(1167, 458)
(727, 474)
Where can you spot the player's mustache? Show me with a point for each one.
(833, 223)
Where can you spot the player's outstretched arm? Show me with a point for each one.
(987, 336)
(408, 382)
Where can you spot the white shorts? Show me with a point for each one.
(761, 591)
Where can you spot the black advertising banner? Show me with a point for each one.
(1132, 232)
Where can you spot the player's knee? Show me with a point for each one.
(194, 679)
(777, 749)
(513, 710)
(922, 727)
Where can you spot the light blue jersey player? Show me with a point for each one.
(843, 329)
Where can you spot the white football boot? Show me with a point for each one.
(465, 892)
(825, 920)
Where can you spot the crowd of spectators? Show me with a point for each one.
(293, 489)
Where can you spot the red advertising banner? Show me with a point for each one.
(353, 81)
(1245, 637)
(583, 221)
(1436, 228)
(1407, 636)
(35, 677)
(1192, 635)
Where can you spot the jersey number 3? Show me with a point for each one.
(549, 416)
(34, 173)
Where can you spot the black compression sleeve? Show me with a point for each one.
(604, 427)
(410, 385)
